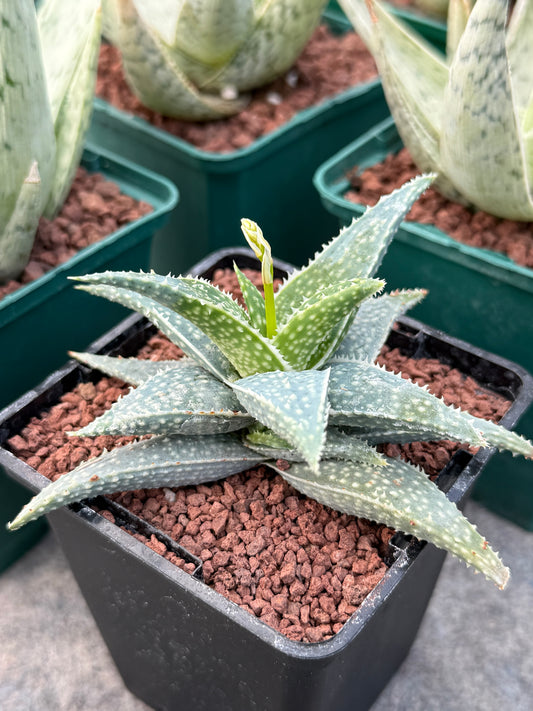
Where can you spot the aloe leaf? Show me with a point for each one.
(401, 496)
(159, 461)
(26, 127)
(373, 322)
(185, 400)
(16, 240)
(502, 438)
(211, 32)
(520, 52)
(70, 39)
(458, 14)
(365, 395)
(208, 308)
(131, 370)
(414, 77)
(307, 336)
(253, 300)
(280, 33)
(294, 405)
(155, 76)
(355, 253)
(479, 120)
(181, 332)
(338, 445)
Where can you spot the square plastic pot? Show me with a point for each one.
(269, 181)
(42, 320)
(177, 643)
(474, 294)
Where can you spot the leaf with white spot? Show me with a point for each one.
(364, 395)
(159, 461)
(373, 322)
(355, 253)
(186, 400)
(401, 496)
(308, 336)
(213, 312)
(293, 404)
(131, 370)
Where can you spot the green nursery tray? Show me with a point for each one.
(42, 320)
(269, 181)
(474, 294)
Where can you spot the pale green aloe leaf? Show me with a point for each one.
(307, 336)
(520, 52)
(367, 396)
(160, 461)
(155, 76)
(500, 437)
(215, 313)
(338, 445)
(179, 330)
(294, 405)
(131, 370)
(355, 253)
(401, 496)
(373, 322)
(70, 38)
(26, 128)
(281, 31)
(414, 77)
(458, 14)
(254, 301)
(211, 32)
(186, 400)
(479, 120)
(16, 240)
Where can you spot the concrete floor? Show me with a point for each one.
(474, 651)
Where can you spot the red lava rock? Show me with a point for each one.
(478, 229)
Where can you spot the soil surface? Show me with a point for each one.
(328, 65)
(93, 209)
(478, 229)
(297, 565)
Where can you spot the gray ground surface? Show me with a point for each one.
(473, 652)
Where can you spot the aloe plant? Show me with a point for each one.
(291, 378)
(193, 59)
(468, 117)
(47, 75)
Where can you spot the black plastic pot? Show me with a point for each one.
(179, 644)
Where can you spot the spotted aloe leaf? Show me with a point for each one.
(294, 405)
(469, 119)
(27, 143)
(179, 330)
(401, 496)
(355, 253)
(216, 314)
(307, 337)
(131, 370)
(160, 461)
(458, 14)
(336, 446)
(183, 400)
(70, 41)
(372, 324)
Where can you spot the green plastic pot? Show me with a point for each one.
(42, 320)
(269, 181)
(474, 294)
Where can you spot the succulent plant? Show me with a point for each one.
(193, 59)
(469, 118)
(47, 75)
(291, 380)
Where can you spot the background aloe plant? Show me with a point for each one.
(47, 77)
(193, 59)
(470, 117)
(292, 378)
